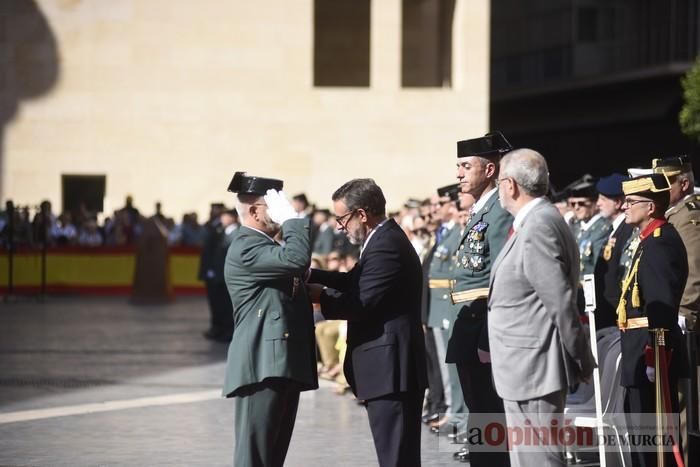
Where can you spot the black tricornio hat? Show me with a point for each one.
(583, 190)
(250, 185)
(452, 191)
(491, 145)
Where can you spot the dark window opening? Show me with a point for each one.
(83, 190)
(341, 42)
(426, 46)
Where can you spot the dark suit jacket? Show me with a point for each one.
(608, 276)
(380, 299)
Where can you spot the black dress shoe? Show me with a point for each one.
(431, 417)
(462, 456)
(461, 453)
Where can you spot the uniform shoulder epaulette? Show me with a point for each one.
(657, 232)
(694, 203)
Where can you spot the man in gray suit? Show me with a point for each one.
(538, 347)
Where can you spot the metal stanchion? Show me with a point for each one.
(10, 209)
(692, 421)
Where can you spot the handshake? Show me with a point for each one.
(278, 207)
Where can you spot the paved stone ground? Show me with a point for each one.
(72, 351)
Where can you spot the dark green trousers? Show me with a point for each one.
(265, 415)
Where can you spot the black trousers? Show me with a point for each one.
(481, 398)
(220, 308)
(396, 427)
(265, 416)
(436, 392)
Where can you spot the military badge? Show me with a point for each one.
(476, 263)
(477, 232)
(607, 251)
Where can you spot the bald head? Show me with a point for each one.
(529, 170)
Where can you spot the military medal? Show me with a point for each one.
(607, 251)
(587, 250)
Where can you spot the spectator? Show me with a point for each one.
(42, 224)
(63, 232)
(323, 243)
(90, 235)
(192, 233)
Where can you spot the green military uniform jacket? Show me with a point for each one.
(482, 241)
(273, 320)
(685, 217)
(591, 242)
(440, 274)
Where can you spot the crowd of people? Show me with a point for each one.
(625, 247)
(81, 227)
(509, 270)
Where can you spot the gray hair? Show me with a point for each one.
(243, 202)
(690, 177)
(529, 170)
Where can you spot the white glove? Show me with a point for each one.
(651, 374)
(278, 207)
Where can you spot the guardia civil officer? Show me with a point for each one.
(272, 356)
(591, 228)
(441, 317)
(484, 236)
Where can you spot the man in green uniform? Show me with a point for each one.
(440, 316)
(272, 356)
(482, 240)
(592, 228)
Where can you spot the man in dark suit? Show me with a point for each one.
(272, 356)
(380, 298)
(608, 268)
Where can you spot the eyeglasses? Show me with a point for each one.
(583, 204)
(344, 224)
(632, 202)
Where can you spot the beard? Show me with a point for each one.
(357, 236)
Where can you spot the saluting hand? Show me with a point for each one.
(278, 207)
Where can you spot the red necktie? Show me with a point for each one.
(510, 232)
